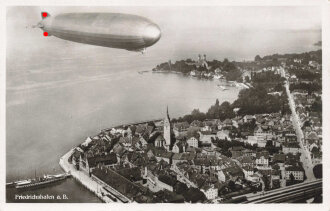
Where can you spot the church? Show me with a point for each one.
(167, 131)
(202, 62)
(165, 140)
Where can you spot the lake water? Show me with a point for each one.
(46, 117)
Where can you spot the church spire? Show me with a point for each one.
(167, 130)
(168, 116)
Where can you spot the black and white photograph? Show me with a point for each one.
(151, 104)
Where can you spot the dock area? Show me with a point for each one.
(86, 181)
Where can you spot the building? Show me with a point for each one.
(292, 147)
(210, 191)
(248, 118)
(262, 159)
(159, 141)
(236, 151)
(296, 171)
(193, 142)
(179, 147)
(182, 157)
(88, 164)
(279, 158)
(206, 137)
(167, 130)
(202, 62)
(223, 135)
(163, 155)
(248, 171)
(251, 140)
(263, 133)
(290, 137)
(246, 160)
(165, 182)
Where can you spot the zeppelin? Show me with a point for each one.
(114, 30)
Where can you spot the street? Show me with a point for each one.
(305, 155)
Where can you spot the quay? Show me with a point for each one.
(82, 178)
(103, 191)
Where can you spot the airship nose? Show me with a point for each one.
(151, 34)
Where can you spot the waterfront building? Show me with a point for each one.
(88, 164)
(201, 62)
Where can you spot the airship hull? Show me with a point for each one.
(113, 30)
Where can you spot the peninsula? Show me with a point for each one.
(261, 147)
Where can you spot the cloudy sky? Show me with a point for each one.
(220, 32)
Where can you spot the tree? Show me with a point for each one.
(180, 188)
(247, 79)
(317, 106)
(231, 185)
(317, 170)
(194, 195)
(270, 147)
(193, 132)
(217, 102)
(292, 179)
(315, 150)
(266, 181)
(269, 144)
(257, 58)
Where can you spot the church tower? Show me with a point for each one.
(167, 130)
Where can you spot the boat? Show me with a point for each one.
(141, 72)
(10, 184)
(222, 87)
(40, 181)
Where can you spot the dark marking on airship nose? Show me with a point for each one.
(151, 34)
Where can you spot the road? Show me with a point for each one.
(183, 178)
(305, 155)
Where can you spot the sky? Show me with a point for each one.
(231, 32)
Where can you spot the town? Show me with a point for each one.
(269, 138)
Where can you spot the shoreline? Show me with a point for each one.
(82, 178)
(230, 83)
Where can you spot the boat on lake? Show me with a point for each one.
(223, 88)
(39, 181)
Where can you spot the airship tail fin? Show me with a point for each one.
(45, 15)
